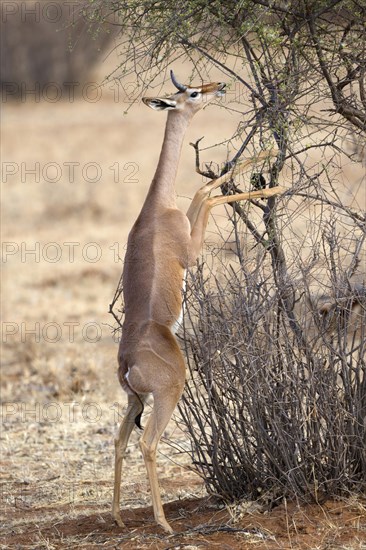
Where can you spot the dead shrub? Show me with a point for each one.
(275, 405)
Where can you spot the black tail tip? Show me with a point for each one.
(138, 421)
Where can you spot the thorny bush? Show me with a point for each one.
(273, 410)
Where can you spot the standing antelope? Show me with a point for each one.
(162, 244)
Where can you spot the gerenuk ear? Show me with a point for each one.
(160, 104)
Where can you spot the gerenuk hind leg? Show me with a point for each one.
(133, 409)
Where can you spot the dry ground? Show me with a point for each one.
(63, 236)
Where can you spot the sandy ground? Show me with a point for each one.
(75, 174)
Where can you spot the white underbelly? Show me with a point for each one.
(178, 323)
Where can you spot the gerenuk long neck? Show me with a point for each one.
(162, 188)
